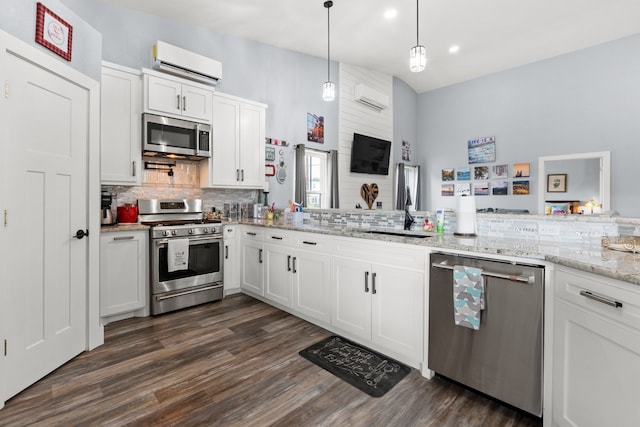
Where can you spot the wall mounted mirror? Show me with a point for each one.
(575, 178)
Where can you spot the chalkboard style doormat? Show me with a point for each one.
(371, 372)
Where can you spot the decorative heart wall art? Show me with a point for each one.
(369, 193)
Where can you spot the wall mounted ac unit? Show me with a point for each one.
(174, 60)
(371, 97)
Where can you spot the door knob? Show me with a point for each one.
(80, 234)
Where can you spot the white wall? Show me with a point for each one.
(356, 117)
(584, 101)
(18, 18)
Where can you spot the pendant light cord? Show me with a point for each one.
(417, 23)
(328, 5)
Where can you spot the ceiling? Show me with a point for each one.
(493, 35)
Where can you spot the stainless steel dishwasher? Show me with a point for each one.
(503, 357)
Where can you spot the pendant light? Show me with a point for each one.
(328, 88)
(418, 53)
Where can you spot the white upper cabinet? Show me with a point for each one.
(168, 95)
(120, 129)
(237, 160)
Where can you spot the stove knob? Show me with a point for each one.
(191, 231)
(165, 233)
(205, 230)
(174, 232)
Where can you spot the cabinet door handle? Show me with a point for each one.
(309, 243)
(242, 172)
(260, 256)
(251, 233)
(237, 174)
(178, 101)
(133, 168)
(123, 238)
(226, 252)
(184, 103)
(373, 283)
(366, 281)
(288, 262)
(276, 237)
(601, 299)
(294, 265)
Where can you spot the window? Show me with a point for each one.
(316, 179)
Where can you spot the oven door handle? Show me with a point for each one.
(192, 239)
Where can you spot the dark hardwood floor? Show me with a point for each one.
(232, 363)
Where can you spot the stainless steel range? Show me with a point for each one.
(185, 254)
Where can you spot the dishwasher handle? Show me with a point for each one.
(512, 277)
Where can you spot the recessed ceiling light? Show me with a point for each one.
(390, 13)
(454, 48)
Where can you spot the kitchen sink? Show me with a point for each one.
(400, 234)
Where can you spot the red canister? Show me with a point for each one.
(127, 214)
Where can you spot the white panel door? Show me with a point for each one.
(351, 296)
(196, 102)
(277, 276)
(252, 132)
(224, 159)
(45, 136)
(397, 314)
(163, 95)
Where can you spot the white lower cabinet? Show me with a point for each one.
(278, 275)
(596, 350)
(311, 280)
(252, 270)
(370, 292)
(231, 265)
(295, 277)
(124, 270)
(379, 304)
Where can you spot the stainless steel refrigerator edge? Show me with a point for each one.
(503, 358)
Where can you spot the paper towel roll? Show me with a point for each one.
(466, 215)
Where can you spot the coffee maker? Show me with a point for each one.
(106, 217)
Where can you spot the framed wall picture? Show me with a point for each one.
(53, 32)
(557, 183)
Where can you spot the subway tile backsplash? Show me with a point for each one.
(585, 229)
(211, 197)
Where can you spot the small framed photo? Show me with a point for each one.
(557, 183)
(53, 32)
(448, 174)
(463, 174)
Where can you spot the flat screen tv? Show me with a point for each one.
(370, 155)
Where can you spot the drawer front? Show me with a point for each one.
(277, 237)
(612, 298)
(396, 254)
(253, 233)
(314, 242)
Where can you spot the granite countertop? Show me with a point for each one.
(589, 257)
(123, 227)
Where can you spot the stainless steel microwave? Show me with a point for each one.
(175, 138)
